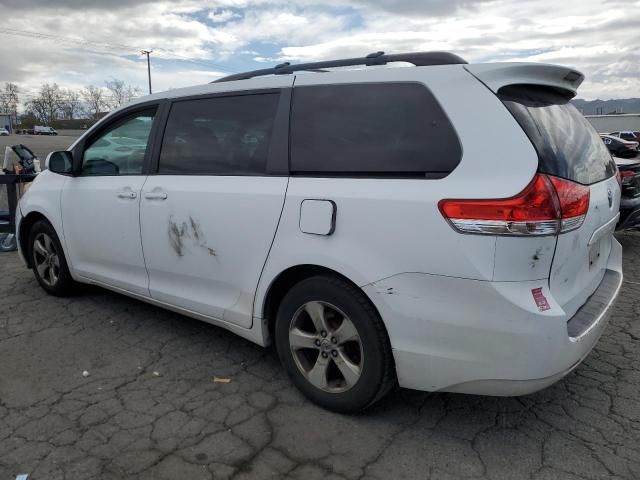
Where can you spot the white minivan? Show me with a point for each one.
(40, 130)
(442, 227)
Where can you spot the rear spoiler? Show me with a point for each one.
(497, 75)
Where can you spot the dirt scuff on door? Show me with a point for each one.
(181, 234)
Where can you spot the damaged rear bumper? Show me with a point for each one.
(489, 338)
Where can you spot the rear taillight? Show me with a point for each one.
(619, 176)
(547, 206)
(574, 202)
(626, 176)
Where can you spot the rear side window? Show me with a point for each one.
(566, 143)
(387, 129)
(219, 136)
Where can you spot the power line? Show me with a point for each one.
(114, 46)
(78, 41)
(192, 60)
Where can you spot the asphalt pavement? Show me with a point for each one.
(168, 397)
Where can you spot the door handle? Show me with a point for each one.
(126, 194)
(155, 195)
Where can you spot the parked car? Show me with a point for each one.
(619, 147)
(366, 223)
(3, 132)
(627, 135)
(40, 130)
(629, 174)
(125, 152)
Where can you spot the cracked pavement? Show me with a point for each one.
(149, 408)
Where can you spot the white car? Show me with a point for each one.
(627, 135)
(3, 132)
(430, 226)
(40, 130)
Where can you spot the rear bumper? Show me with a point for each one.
(489, 338)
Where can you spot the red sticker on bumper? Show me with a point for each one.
(539, 298)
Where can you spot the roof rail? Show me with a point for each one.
(419, 59)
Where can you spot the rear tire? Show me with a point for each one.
(48, 261)
(333, 344)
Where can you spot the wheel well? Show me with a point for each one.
(283, 283)
(25, 225)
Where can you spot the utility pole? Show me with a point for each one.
(147, 52)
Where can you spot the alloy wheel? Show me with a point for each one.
(326, 347)
(46, 259)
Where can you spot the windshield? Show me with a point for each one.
(566, 143)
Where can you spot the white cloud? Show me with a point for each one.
(600, 42)
(280, 26)
(189, 37)
(222, 16)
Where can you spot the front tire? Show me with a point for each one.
(333, 344)
(48, 261)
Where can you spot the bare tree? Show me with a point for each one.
(46, 105)
(28, 117)
(121, 93)
(3, 102)
(51, 98)
(9, 99)
(95, 99)
(70, 103)
(35, 108)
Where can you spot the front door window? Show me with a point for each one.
(121, 149)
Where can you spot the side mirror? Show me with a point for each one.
(60, 162)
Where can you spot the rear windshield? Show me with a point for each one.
(566, 143)
(631, 136)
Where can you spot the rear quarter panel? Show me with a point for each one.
(390, 226)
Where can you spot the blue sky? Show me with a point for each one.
(79, 42)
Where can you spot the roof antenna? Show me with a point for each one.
(375, 59)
